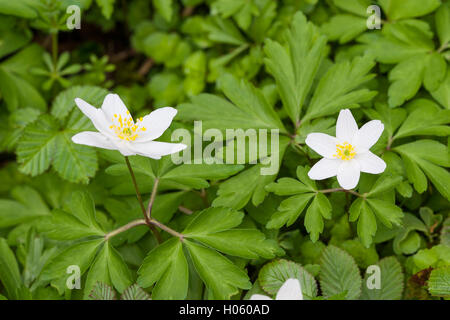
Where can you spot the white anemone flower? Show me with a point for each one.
(347, 154)
(118, 130)
(290, 290)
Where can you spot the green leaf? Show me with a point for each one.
(288, 187)
(389, 214)
(383, 184)
(396, 9)
(74, 162)
(107, 7)
(339, 273)
(17, 86)
(164, 8)
(406, 78)
(391, 281)
(295, 67)
(367, 225)
(320, 208)
(426, 119)
(289, 210)
(9, 271)
(442, 20)
(28, 205)
(223, 31)
(401, 41)
(80, 254)
(27, 9)
(272, 276)
(427, 155)
(38, 145)
(341, 87)
(64, 102)
(219, 274)
(344, 27)
(102, 291)
(135, 293)
(110, 268)
(212, 227)
(78, 220)
(439, 282)
(166, 266)
(248, 108)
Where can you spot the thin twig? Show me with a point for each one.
(152, 198)
(138, 194)
(167, 229)
(341, 190)
(185, 210)
(124, 228)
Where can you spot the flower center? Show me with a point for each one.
(345, 151)
(125, 128)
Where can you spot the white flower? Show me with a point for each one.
(348, 154)
(290, 290)
(118, 131)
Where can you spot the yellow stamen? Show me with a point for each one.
(125, 128)
(345, 151)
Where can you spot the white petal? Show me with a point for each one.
(113, 105)
(346, 126)
(290, 290)
(325, 168)
(322, 143)
(368, 135)
(156, 123)
(156, 149)
(124, 147)
(259, 297)
(348, 174)
(95, 115)
(370, 163)
(93, 139)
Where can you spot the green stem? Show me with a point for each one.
(341, 190)
(152, 198)
(139, 197)
(124, 228)
(55, 48)
(167, 229)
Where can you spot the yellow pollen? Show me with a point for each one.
(345, 151)
(125, 128)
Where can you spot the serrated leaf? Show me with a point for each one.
(64, 102)
(135, 292)
(391, 281)
(102, 291)
(439, 282)
(339, 273)
(36, 149)
(272, 276)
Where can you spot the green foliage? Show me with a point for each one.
(391, 281)
(339, 274)
(220, 226)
